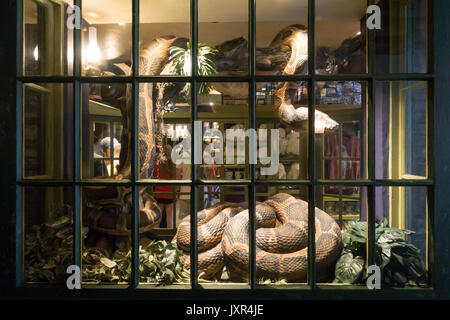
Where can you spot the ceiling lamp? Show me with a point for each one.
(93, 53)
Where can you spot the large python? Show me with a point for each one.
(281, 239)
(291, 41)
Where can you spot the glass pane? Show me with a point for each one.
(282, 144)
(169, 23)
(402, 47)
(48, 40)
(161, 261)
(340, 36)
(106, 38)
(104, 129)
(404, 208)
(282, 235)
(48, 230)
(107, 215)
(341, 234)
(222, 29)
(47, 130)
(341, 150)
(226, 139)
(281, 33)
(164, 131)
(401, 130)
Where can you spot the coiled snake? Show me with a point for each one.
(281, 239)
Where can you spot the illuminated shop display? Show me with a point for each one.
(276, 158)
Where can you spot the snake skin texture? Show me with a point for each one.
(281, 239)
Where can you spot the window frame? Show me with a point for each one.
(437, 97)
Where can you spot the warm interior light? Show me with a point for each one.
(69, 53)
(358, 33)
(111, 52)
(93, 14)
(36, 53)
(122, 24)
(93, 52)
(319, 126)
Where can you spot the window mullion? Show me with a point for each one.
(194, 182)
(252, 115)
(311, 276)
(135, 145)
(371, 190)
(77, 143)
(19, 146)
(19, 188)
(430, 226)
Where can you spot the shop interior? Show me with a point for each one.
(341, 154)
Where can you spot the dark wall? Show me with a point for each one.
(7, 144)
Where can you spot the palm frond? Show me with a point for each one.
(181, 59)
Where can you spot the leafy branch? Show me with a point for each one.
(182, 63)
(48, 251)
(399, 260)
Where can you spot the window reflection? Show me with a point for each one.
(402, 47)
(48, 43)
(401, 135)
(47, 130)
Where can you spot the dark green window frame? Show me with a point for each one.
(439, 139)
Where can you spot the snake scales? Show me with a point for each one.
(281, 239)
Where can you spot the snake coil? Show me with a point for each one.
(281, 239)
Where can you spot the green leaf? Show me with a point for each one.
(400, 260)
(349, 269)
(181, 60)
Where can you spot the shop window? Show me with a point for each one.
(211, 150)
